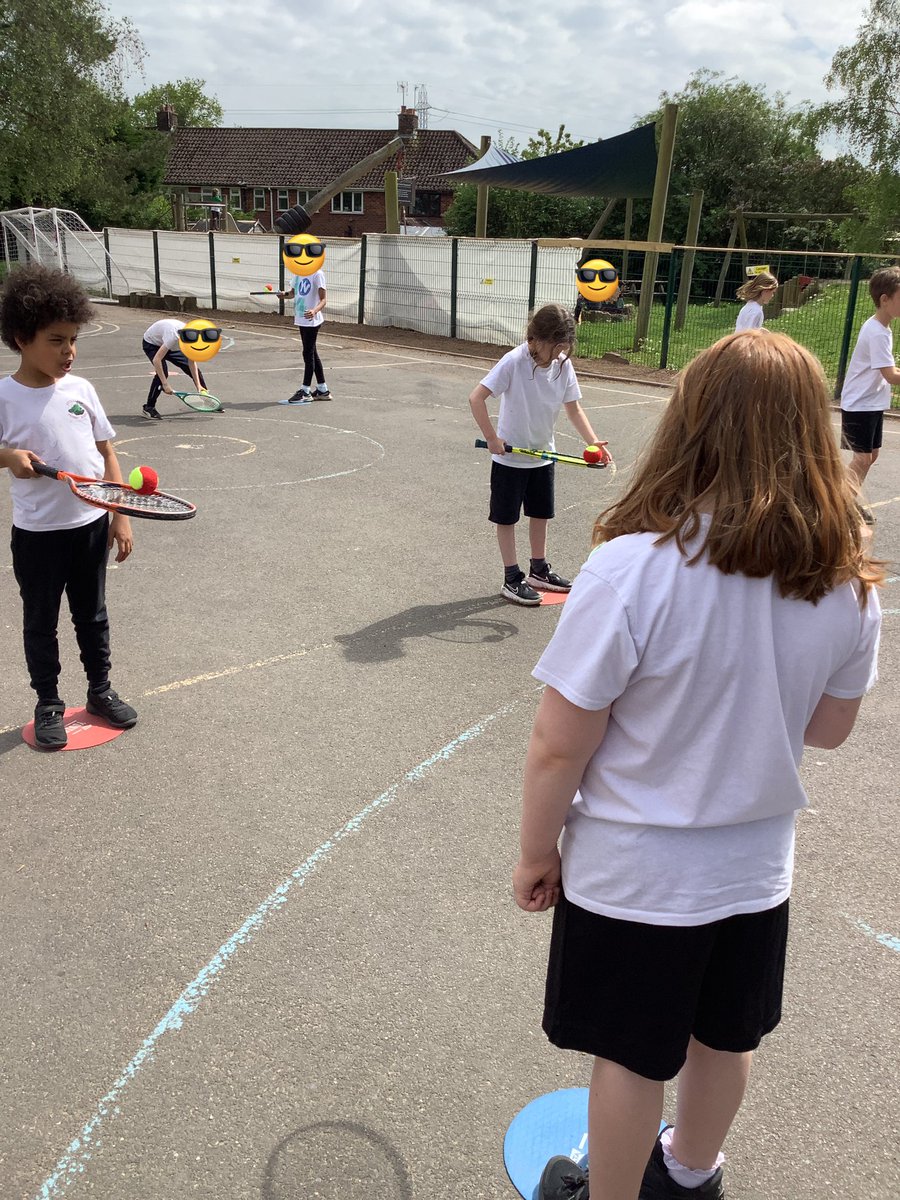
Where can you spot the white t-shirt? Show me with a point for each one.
(685, 814)
(750, 316)
(61, 425)
(164, 333)
(530, 400)
(865, 388)
(306, 295)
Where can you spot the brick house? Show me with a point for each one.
(267, 171)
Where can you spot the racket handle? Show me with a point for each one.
(43, 469)
(482, 445)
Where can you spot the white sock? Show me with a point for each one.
(684, 1175)
(322, 387)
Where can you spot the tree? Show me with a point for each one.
(191, 103)
(518, 214)
(62, 64)
(868, 116)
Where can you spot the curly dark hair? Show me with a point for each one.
(34, 297)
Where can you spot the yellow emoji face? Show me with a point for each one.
(597, 280)
(200, 340)
(303, 254)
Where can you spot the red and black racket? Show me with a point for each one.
(119, 497)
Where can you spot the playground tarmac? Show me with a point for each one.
(262, 946)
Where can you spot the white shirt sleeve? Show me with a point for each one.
(499, 377)
(750, 317)
(592, 654)
(859, 673)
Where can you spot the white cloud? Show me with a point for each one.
(593, 66)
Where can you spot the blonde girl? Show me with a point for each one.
(757, 292)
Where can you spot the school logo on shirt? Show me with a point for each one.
(76, 410)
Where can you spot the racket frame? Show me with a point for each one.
(547, 455)
(211, 403)
(140, 506)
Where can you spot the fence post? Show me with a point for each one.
(156, 283)
(848, 326)
(454, 276)
(212, 269)
(667, 317)
(281, 273)
(532, 276)
(361, 314)
(107, 262)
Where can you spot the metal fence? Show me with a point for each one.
(483, 290)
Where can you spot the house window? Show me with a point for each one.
(347, 202)
(259, 198)
(235, 197)
(283, 201)
(426, 204)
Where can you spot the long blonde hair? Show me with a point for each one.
(747, 438)
(758, 283)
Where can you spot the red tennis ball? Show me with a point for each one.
(270, 287)
(592, 454)
(144, 480)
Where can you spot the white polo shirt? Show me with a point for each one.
(865, 388)
(530, 400)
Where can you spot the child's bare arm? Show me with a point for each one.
(157, 367)
(892, 375)
(119, 525)
(831, 723)
(582, 426)
(19, 462)
(562, 742)
(478, 404)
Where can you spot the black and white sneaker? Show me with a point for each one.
(150, 413)
(302, 396)
(658, 1184)
(563, 1179)
(112, 708)
(549, 581)
(321, 393)
(49, 727)
(519, 592)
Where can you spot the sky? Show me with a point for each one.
(494, 68)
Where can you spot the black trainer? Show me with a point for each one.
(563, 1179)
(549, 581)
(301, 396)
(321, 394)
(150, 413)
(519, 592)
(49, 728)
(658, 1184)
(108, 705)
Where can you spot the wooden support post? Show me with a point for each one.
(726, 263)
(687, 267)
(391, 203)
(603, 218)
(481, 195)
(626, 235)
(657, 219)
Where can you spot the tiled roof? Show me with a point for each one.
(308, 158)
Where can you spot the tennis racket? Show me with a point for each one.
(548, 455)
(119, 497)
(200, 401)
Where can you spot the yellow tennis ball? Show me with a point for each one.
(136, 479)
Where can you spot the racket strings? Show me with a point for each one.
(113, 493)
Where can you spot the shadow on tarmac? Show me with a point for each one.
(336, 1160)
(451, 622)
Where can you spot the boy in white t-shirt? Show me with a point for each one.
(310, 295)
(534, 382)
(871, 374)
(59, 543)
(718, 627)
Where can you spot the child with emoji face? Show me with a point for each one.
(304, 256)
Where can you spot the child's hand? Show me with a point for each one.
(19, 462)
(536, 886)
(167, 390)
(120, 533)
(496, 445)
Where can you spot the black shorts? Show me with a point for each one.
(635, 994)
(861, 431)
(515, 487)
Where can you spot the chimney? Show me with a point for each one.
(407, 121)
(166, 118)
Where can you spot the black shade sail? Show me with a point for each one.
(622, 166)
